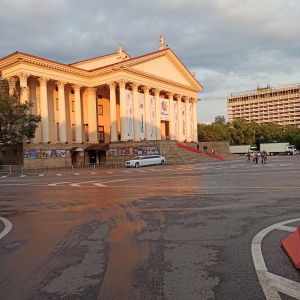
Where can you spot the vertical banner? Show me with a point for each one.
(164, 109)
(141, 116)
(152, 118)
(183, 121)
(129, 115)
(191, 122)
(175, 120)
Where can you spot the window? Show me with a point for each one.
(86, 131)
(73, 106)
(100, 110)
(101, 134)
(57, 131)
(73, 132)
(56, 103)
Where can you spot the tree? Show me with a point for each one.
(220, 120)
(16, 122)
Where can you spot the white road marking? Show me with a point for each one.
(82, 182)
(271, 283)
(7, 228)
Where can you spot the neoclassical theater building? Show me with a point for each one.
(93, 104)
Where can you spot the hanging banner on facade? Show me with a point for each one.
(175, 120)
(191, 122)
(164, 109)
(183, 121)
(129, 115)
(141, 116)
(152, 118)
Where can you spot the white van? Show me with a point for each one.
(147, 160)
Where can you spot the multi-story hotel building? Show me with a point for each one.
(280, 105)
(113, 98)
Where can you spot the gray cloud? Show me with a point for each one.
(232, 45)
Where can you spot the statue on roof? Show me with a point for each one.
(120, 50)
(161, 42)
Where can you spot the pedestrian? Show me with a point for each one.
(256, 157)
(212, 151)
(253, 156)
(262, 157)
(248, 156)
(197, 147)
(265, 153)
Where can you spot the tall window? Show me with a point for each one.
(73, 106)
(57, 131)
(101, 134)
(73, 132)
(56, 103)
(86, 131)
(100, 110)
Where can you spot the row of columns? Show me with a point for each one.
(92, 115)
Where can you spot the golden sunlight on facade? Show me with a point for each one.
(280, 105)
(87, 105)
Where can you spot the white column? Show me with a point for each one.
(78, 114)
(136, 115)
(62, 112)
(44, 109)
(23, 87)
(113, 112)
(157, 114)
(179, 118)
(187, 119)
(123, 123)
(171, 117)
(195, 123)
(147, 112)
(92, 116)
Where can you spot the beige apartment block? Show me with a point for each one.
(280, 105)
(87, 105)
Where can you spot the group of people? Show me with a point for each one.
(255, 156)
(205, 149)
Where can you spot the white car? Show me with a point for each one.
(146, 160)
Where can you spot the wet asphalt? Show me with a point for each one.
(167, 232)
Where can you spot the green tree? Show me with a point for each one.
(16, 122)
(220, 120)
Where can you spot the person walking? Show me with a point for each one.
(256, 157)
(262, 157)
(248, 156)
(265, 153)
(212, 151)
(197, 147)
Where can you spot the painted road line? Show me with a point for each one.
(270, 283)
(82, 182)
(7, 227)
(286, 228)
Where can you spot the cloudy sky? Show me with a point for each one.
(232, 45)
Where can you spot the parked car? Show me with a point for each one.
(145, 160)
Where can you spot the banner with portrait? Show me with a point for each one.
(141, 116)
(129, 115)
(152, 118)
(164, 109)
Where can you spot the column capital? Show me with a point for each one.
(156, 92)
(146, 88)
(60, 84)
(170, 95)
(76, 87)
(134, 86)
(178, 97)
(112, 85)
(42, 80)
(22, 76)
(91, 91)
(122, 83)
(186, 99)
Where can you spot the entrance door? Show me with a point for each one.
(101, 134)
(92, 156)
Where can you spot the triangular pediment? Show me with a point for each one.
(166, 66)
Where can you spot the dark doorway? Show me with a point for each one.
(92, 156)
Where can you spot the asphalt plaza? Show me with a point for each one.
(165, 233)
